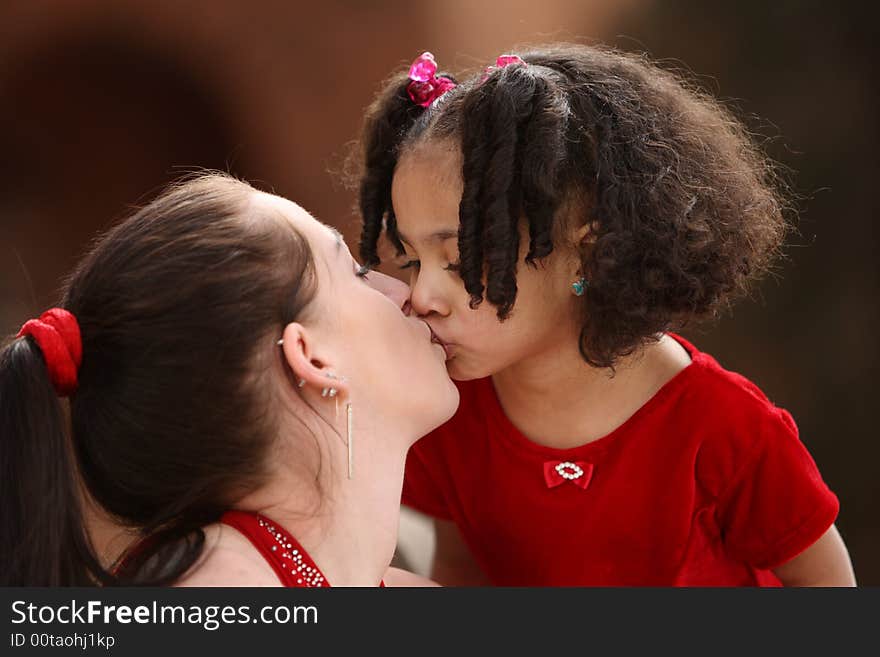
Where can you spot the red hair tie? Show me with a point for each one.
(426, 86)
(57, 334)
(500, 62)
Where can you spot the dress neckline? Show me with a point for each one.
(516, 439)
(289, 560)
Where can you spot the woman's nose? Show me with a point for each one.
(393, 288)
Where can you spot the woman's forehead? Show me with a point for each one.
(316, 231)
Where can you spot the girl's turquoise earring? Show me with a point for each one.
(579, 286)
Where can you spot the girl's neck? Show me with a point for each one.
(348, 526)
(555, 399)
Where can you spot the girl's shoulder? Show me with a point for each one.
(737, 426)
(725, 393)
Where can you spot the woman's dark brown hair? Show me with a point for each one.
(686, 211)
(179, 308)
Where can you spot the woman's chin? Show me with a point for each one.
(443, 405)
(453, 400)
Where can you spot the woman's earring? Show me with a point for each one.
(350, 431)
(580, 286)
(329, 392)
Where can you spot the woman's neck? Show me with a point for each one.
(348, 526)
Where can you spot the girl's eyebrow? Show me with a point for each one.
(437, 236)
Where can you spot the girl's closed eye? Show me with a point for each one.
(362, 271)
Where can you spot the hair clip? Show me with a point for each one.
(500, 62)
(425, 87)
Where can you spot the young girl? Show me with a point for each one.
(561, 213)
(225, 380)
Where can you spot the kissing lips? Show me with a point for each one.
(436, 340)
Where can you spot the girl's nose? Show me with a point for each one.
(426, 297)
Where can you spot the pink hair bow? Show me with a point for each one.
(501, 62)
(426, 86)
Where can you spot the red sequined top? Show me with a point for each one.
(288, 559)
(279, 548)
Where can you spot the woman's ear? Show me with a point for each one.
(312, 369)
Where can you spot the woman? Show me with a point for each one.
(240, 391)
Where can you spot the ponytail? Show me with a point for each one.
(43, 541)
(388, 120)
(405, 100)
(513, 138)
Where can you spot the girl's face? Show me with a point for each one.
(426, 192)
(366, 333)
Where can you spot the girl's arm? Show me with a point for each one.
(403, 578)
(454, 565)
(825, 563)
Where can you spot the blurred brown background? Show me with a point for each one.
(102, 101)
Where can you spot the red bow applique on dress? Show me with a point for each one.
(557, 473)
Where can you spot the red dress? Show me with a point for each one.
(706, 484)
(288, 559)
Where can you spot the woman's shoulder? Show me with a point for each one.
(228, 559)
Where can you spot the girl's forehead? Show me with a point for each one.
(439, 159)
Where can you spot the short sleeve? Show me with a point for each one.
(421, 488)
(777, 504)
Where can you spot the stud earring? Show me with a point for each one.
(330, 392)
(280, 342)
(580, 286)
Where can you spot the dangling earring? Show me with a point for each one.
(350, 432)
(332, 392)
(580, 286)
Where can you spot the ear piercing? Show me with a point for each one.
(580, 286)
(331, 392)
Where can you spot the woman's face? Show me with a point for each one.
(392, 366)
(426, 192)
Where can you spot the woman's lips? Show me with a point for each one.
(447, 347)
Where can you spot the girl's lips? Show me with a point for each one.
(436, 340)
(450, 351)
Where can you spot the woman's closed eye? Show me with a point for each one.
(362, 271)
(416, 264)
